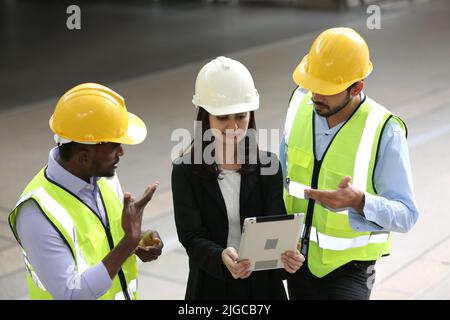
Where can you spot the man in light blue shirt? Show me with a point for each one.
(336, 137)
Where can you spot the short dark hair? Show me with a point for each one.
(67, 150)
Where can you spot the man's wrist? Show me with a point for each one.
(360, 202)
(130, 242)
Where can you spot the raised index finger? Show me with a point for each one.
(148, 194)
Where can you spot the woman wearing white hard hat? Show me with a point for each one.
(218, 182)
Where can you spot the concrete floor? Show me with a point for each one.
(410, 55)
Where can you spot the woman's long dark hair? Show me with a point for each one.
(212, 171)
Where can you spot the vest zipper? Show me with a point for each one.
(120, 274)
(310, 209)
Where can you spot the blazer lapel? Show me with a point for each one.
(248, 183)
(212, 187)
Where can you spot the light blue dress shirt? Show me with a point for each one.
(394, 208)
(47, 251)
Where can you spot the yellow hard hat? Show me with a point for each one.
(92, 113)
(338, 58)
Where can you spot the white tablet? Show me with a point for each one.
(264, 239)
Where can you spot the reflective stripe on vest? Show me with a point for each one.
(363, 155)
(334, 243)
(296, 99)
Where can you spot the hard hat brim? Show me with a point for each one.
(311, 83)
(136, 133)
(233, 109)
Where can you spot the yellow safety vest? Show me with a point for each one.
(82, 230)
(328, 236)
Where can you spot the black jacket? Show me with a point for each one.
(202, 227)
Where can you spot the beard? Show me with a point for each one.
(108, 174)
(99, 169)
(328, 112)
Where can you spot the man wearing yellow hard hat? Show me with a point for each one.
(346, 165)
(79, 234)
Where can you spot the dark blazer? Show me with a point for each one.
(202, 227)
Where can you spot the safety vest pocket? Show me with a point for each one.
(300, 167)
(332, 178)
(300, 157)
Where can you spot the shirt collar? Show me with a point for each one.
(64, 178)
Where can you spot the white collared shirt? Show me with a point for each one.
(230, 186)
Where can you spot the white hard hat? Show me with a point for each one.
(225, 86)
